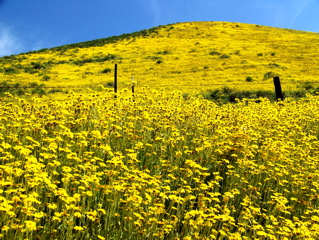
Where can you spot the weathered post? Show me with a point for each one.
(115, 80)
(278, 90)
(133, 84)
(133, 90)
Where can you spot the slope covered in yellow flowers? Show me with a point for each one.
(186, 56)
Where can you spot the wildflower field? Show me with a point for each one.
(158, 165)
(78, 163)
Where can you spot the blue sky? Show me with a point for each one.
(27, 25)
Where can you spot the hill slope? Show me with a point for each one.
(194, 55)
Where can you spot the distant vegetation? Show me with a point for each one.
(226, 94)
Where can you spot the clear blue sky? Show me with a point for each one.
(27, 25)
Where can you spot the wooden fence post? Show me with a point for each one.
(133, 89)
(133, 84)
(115, 80)
(278, 90)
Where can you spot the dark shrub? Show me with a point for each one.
(106, 70)
(109, 84)
(249, 79)
(46, 78)
(55, 90)
(224, 56)
(9, 70)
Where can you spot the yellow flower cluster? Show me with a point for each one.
(159, 166)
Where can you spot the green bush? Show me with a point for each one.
(265, 94)
(37, 65)
(54, 91)
(153, 58)
(108, 57)
(33, 84)
(227, 90)
(20, 92)
(214, 53)
(30, 70)
(10, 70)
(249, 79)
(307, 86)
(297, 94)
(106, 70)
(46, 78)
(226, 95)
(38, 89)
(109, 84)
(224, 56)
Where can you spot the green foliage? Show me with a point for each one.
(237, 52)
(37, 65)
(19, 90)
(38, 89)
(106, 70)
(109, 84)
(296, 94)
(33, 84)
(108, 57)
(227, 94)
(224, 56)
(10, 70)
(214, 53)
(46, 78)
(249, 79)
(14, 89)
(30, 70)
(54, 90)
(5, 59)
(153, 58)
(307, 86)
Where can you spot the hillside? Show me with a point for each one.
(159, 164)
(186, 56)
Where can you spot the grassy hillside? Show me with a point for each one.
(159, 165)
(185, 56)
